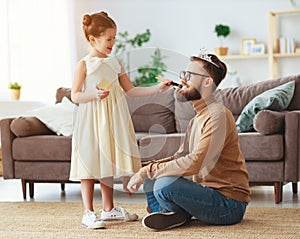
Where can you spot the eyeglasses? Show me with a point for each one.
(187, 75)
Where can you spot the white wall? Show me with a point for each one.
(182, 27)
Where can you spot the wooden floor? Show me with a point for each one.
(11, 191)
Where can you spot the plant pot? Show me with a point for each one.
(15, 94)
(221, 51)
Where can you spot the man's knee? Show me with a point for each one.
(164, 183)
(148, 185)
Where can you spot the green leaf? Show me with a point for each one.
(222, 30)
(14, 85)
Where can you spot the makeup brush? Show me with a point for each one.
(172, 82)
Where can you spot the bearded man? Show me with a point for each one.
(218, 193)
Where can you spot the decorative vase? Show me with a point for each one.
(15, 94)
(221, 51)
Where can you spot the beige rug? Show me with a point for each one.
(62, 220)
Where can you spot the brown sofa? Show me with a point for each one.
(33, 153)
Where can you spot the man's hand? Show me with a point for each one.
(135, 182)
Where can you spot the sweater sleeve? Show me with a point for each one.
(205, 139)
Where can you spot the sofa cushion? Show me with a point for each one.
(276, 99)
(29, 126)
(42, 148)
(58, 118)
(235, 99)
(258, 147)
(269, 122)
(153, 113)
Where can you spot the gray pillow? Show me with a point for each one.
(153, 113)
(276, 99)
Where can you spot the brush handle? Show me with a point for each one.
(174, 83)
(163, 80)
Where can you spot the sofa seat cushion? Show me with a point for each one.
(258, 147)
(42, 148)
(153, 147)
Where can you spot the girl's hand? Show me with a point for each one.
(102, 93)
(165, 85)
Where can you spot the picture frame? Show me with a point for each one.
(257, 49)
(246, 45)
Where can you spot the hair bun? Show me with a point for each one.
(87, 20)
(104, 14)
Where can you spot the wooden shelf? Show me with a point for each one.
(272, 43)
(281, 55)
(241, 57)
(272, 57)
(286, 12)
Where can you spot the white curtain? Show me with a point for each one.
(37, 47)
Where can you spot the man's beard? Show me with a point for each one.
(188, 94)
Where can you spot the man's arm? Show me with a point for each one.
(204, 155)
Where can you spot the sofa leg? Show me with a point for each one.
(23, 181)
(278, 192)
(31, 190)
(62, 186)
(295, 187)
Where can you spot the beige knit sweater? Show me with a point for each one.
(210, 153)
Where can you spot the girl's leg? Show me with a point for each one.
(107, 189)
(109, 212)
(87, 193)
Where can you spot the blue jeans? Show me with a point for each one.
(180, 195)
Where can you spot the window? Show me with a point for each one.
(38, 45)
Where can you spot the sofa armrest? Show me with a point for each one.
(269, 122)
(292, 146)
(7, 138)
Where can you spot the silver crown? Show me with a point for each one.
(203, 54)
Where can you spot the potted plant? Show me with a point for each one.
(148, 73)
(124, 44)
(222, 32)
(15, 90)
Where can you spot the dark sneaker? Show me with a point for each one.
(163, 221)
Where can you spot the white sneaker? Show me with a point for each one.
(118, 213)
(91, 221)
